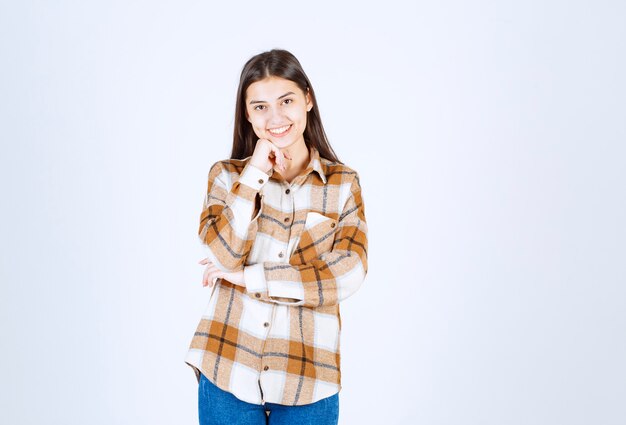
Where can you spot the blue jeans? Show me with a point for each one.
(219, 407)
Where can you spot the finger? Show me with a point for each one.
(279, 157)
(212, 267)
(208, 281)
(213, 275)
(205, 278)
(283, 163)
(210, 273)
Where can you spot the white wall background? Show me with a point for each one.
(490, 140)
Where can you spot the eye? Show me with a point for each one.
(256, 108)
(289, 100)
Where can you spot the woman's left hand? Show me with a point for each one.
(212, 272)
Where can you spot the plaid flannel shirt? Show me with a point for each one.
(303, 249)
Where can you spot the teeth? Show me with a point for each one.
(279, 130)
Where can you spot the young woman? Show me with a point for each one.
(284, 225)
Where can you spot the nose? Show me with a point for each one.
(277, 118)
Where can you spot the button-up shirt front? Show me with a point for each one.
(302, 247)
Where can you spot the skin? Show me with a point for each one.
(267, 108)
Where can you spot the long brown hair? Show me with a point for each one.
(283, 64)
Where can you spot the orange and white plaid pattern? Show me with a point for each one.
(303, 249)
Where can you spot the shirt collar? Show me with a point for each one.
(315, 163)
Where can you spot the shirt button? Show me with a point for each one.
(287, 191)
(280, 254)
(332, 224)
(261, 181)
(257, 295)
(266, 324)
(286, 219)
(266, 367)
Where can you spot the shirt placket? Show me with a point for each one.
(287, 204)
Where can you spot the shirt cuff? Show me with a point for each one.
(254, 276)
(253, 177)
(283, 289)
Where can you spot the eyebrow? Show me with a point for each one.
(279, 97)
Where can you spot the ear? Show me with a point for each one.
(309, 102)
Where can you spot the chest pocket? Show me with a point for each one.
(317, 236)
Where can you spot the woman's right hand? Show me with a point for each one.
(267, 156)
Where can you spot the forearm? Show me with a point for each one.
(228, 222)
(325, 281)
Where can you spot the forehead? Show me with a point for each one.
(268, 89)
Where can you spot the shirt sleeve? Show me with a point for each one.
(228, 222)
(325, 280)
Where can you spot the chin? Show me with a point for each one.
(284, 143)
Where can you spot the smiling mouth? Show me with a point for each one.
(280, 130)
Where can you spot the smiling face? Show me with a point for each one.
(277, 110)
